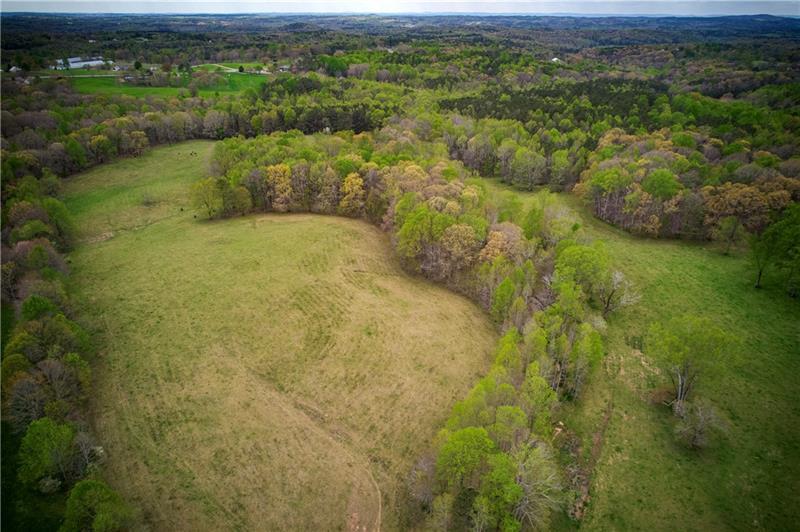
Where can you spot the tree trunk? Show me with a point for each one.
(731, 237)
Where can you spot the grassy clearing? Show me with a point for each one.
(136, 191)
(265, 372)
(234, 83)
(245, 65)
(644, 480)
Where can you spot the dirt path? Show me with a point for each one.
(598, 438)
(223, 67)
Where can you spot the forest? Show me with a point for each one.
(505, 159)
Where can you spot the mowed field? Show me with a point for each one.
(747, 480)
(234, 82)
(266, 372)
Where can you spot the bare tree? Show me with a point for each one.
(26, 403)
(687, 347)
(421, 480)
(538, 477)
(62, 381)
(616, 292)
(699, 422)
(87, 454)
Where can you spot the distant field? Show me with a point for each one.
(213, 67)
(245, 65)
(267, 372)
(75, 72)
(644, 480)
(234, 83)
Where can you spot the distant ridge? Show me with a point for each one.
(627, 8)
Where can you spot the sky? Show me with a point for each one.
(577, 7)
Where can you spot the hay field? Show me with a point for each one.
(266, 372)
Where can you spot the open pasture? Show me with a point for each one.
(266, 372)
(233, 83)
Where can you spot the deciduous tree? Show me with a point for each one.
(688, 348)
(207, 197)
(352, 202)
(279, 181)
(462, 454)
(538, 478)
(46, 450)
(92, 505)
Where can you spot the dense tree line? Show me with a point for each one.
(707, 170)
(48, 126)
(565, 103)
(46, 376)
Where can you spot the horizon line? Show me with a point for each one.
(407, 13)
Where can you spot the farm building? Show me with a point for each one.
(79, 62)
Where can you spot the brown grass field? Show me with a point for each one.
(266, 372)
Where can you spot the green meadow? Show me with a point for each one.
(234, 83)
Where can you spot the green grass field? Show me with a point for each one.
(750, 480)
(234, 83)
(245, 65)
(266, 372)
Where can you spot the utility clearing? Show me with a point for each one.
(265, 372)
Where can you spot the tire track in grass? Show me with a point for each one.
(298, 411)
